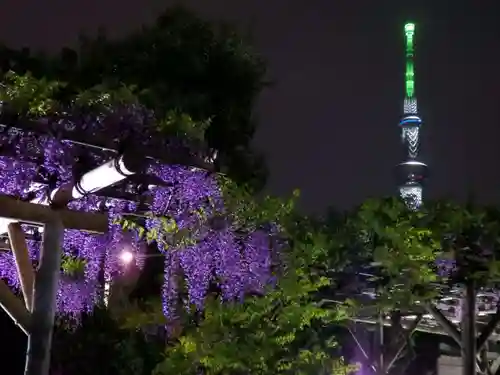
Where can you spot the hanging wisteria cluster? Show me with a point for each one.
(32, 165)
(237, 263)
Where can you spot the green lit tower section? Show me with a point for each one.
(410, 102)
(411, 173)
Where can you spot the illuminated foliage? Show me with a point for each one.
(34, 164)
(411, 252)
(237, 270)
(282, 329)
(402, 243)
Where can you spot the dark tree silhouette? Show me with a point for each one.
(179, 63)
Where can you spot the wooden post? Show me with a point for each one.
(44, 304)
(23, 262)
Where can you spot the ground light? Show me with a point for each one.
(126, 257)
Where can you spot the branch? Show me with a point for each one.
(447, 326)
(406, 336)
(488, 330)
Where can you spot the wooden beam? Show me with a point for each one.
(24, 265)
(15, 209)
(14, 307)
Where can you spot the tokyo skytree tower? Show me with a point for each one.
(411, 173)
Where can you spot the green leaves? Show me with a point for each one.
(403, 246)
(181, 124)
(281, 331)
(102, 97)
(441, 242)
(246, 212)
(33, 97)
(28, 95)
(167, 233)
(180, 63)
(73, 267)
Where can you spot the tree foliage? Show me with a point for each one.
(179, 65)
(403, 245)
(286, 330)
(470, 241)
(203, 81)
(415, 255)
(99, 346)
(31, 97)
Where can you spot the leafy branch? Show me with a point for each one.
(73, 266)
(166, 233)
(33, 97)
(245, 211)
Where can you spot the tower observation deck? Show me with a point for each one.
(411, 173)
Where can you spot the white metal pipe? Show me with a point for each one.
(107, 174)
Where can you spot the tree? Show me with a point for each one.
(285, 329)
(179, 65)
(442, 254)
(280, 292)
(204, 76)
(402, 243)
(442, 242)
(85, 257)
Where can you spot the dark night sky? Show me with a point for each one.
(329, 126)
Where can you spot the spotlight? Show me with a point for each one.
(126, 257)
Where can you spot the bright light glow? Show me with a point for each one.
(411, 120)
(414, 162)
(410, 74)
(409, 28)
(126, 257)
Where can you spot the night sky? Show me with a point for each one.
(329, 125)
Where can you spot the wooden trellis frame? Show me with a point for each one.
(35, 315)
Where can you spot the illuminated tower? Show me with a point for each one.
(411, 173)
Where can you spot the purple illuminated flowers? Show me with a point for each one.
(36, 164)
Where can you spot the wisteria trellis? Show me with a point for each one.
(217, 255)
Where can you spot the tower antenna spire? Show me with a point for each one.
(411, 173)
(410, 99)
